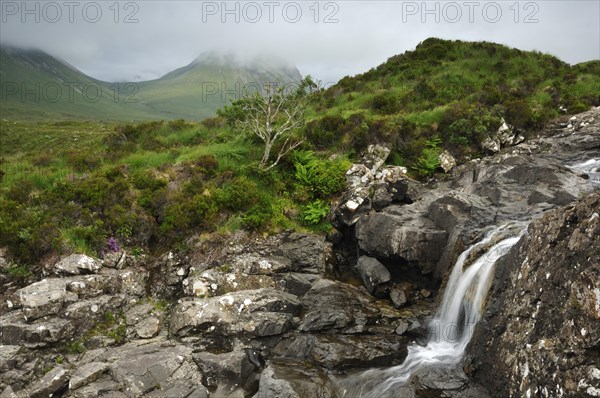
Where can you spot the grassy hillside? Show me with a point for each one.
(452, 95)
(84, 186)
(36, 86)
(206, 85)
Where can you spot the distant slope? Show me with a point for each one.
(35, 85)
(208, 83)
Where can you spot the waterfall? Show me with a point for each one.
(452, 327)
(590, 167)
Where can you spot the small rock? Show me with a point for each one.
(148, 328)
(373, 274)
(398, 297)
(447, 161)
(425, 293)
(414, 325)
(375, 157)
(76, 264)
(402, 328)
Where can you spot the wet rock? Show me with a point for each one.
(77, 264)
(543, 315)
(414, 240)
(340, 351)
(334, 305)
(374, 275)
(289, 379)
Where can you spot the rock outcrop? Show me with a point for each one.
(541, 334)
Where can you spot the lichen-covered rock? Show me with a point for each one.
(75, 264)
(42, 298)
(542, 329)
(262, 312)
(40, 333)
(447, 161)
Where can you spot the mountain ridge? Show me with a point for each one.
(36, 84)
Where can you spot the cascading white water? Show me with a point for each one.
(452, 327)
(591, 167)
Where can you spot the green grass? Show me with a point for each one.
(147, 186)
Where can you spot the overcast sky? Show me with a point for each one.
(141, 40)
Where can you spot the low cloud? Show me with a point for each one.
(145, 39)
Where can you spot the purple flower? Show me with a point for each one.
(112, 244)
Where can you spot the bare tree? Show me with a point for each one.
(275, 114)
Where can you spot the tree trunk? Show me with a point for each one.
(266, 154)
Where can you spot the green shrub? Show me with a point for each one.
(429, 161)
(386, 103)
(259, 215)
(314, 212)
(239, 194)
(19, 272)
(324, 178)
(213, 122)
(518, 113)
(146, 179)
(82, 161)
(207, 162)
